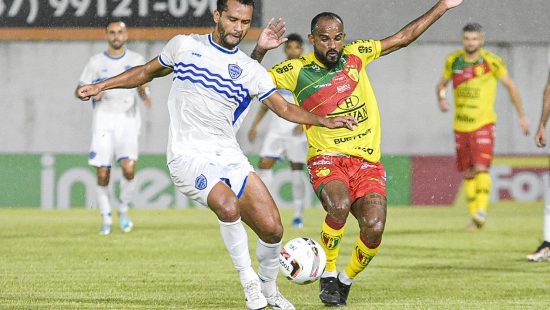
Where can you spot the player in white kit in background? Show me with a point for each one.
(116, 123)
(284, 140)
(542, 253)
(213, 84)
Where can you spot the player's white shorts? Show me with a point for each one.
(293, 148)
(113, 134)
(195, 175)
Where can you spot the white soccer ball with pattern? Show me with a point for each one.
(302, 260)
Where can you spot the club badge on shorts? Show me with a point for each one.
(201, 182)
(234, 71)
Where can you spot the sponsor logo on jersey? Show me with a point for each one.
(234, 71)
(331, 242)
(196, 54)
(323, 172)
(201, 182)
(343, 88)
(363, 258)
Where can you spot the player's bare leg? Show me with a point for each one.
(265, 171)
(127, 189)
(259, 212)
(336, 200)
(298, 194)
(225, 204)
(103, 201)
(370, 212)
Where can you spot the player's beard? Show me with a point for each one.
(224, 36)
(471, 51)
(330, 59)
(116, 45)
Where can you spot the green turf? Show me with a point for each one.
(175, 259)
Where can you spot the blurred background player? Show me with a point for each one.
(344, 167)
(116, 123)
(205, 160)
(543, 251)
(475, 73)
(284, 139)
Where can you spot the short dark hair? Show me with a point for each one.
(294, 37)
(221, 5)
(112, 21)
(325, 15)
(473, 27)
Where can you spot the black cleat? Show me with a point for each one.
(329, 292)
(344, 292)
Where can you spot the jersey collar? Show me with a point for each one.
(220, 48)
(112, 57)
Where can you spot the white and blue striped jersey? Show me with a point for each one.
(211, 92)
(101, 67)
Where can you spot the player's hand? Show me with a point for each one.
(339, 122)
(443, 105)
(252, 134)
(298, 130)
(272, 35)
(451, 3)
(540, 138)
(87, 91)
(524, 123)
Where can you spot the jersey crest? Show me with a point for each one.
(234, 71)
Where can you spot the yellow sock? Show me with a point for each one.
(330, 241)
(470, 187)
(483, 190)
(360, 258)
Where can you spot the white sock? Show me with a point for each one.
(103, 204)
(344, 278)
(236, 241)
(127, 189)
(268, 260)
(329, 274)
(547, 213)
(298, 193)
(266, 175)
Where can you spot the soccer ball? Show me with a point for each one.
(302, 260)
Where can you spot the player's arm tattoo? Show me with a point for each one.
(258, 54)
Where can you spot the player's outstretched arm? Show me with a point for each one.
(516, 100)
(417, 27)
(295, 114)
(128, 79)
(540, 138)
(271, 37)
(441, 92)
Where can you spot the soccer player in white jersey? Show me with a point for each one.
(213, 84)
(116, 123)
(543, 251)
(284, 139)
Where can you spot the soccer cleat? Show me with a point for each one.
(542, 253)
(344, 292)
(253, 295)
(126, 224)
(329, 292)
(278, 302)
(297, 223)
(105, 229)
(477, 221)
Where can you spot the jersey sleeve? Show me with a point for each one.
(285, 74)
(498, 66)
(448, 69)
(367, 50)
(167, 56)
(89, 74)
(264, 86)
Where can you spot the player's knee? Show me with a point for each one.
(340, 208)
(375, 226)
(226, 209)
(128, 174)
(273, 234)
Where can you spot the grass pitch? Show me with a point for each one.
(175, 259)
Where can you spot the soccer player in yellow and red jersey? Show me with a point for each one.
(344, 167)
(475, 73)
